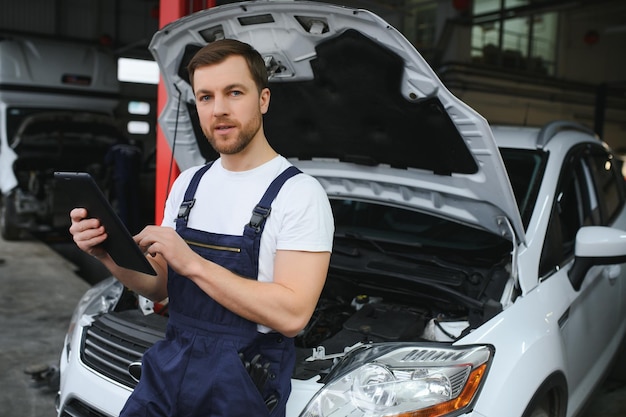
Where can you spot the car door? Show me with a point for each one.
(589, 326)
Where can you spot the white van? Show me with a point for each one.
(56, 105)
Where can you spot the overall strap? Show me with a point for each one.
(189, 198)
(263, 208)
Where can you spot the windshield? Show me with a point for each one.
(399, 229)
(525, 168)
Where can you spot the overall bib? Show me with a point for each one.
(212, 361)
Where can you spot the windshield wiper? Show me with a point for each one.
(414, 277)
(431, 259)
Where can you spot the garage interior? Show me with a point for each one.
(515, 61)
(520, 62)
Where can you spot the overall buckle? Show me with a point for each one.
(185, 208)
(259, 214)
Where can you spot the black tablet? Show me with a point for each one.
(78, 189)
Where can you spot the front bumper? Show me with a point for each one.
(83, 392)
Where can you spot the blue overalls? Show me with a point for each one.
(210, 359)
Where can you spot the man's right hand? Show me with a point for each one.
(87, 233)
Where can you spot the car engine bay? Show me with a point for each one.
(357, 309)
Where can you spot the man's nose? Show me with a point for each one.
(220, 106)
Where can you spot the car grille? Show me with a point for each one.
(116, 340)
(75, 408)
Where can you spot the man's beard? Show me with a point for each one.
(248, 132)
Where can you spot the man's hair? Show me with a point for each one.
(216, 52)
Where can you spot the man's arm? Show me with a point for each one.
(284, 305)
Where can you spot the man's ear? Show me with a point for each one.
(264, 100)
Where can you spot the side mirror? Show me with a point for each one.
(596, 245)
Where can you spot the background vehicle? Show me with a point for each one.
(475, 271)
(56, 104)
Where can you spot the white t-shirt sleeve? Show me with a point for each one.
(307, 219)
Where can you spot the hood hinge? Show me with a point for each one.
(507, 230)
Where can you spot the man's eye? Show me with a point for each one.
(236, 93)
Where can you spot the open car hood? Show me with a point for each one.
(354, 104)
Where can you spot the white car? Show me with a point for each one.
(476, 271)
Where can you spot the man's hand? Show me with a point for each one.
(165, 241)
(87, 233)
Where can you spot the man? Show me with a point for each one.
(247, 259)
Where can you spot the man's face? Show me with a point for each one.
(229, 105)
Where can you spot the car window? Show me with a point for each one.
(588, 193)
(525, 169)
(570, 210)
(609, 183)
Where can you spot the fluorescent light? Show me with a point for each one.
(137, 71)
(136, 127)
(138, 107)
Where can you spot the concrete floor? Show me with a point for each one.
(40, 289)
(39, 292)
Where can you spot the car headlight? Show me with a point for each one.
(99, 299)
(403, 380)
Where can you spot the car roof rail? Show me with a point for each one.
(549, 130)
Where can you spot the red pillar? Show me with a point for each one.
(169, 11)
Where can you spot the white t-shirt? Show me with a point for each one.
(301, 218)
